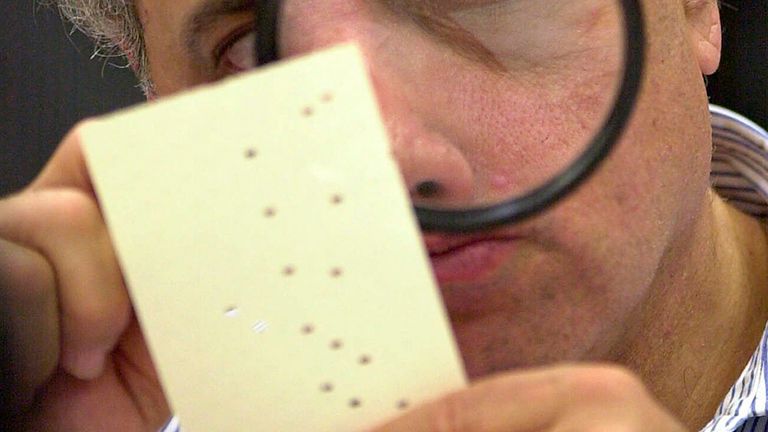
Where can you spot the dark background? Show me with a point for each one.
(48, 82)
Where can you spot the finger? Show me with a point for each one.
(66, 403)
(29, 324)
(510, 403)
(67, 167)
(66, 227)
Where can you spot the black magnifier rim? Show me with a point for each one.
(267, 31)
(539, 199)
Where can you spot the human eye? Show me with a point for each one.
(237, 52)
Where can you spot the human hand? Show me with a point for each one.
(73, 357)
(558, 399)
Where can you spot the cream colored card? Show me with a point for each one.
(271, 252)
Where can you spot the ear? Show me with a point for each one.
(705, 33)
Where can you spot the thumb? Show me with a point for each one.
(512, 402)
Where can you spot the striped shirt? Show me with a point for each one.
(740, 175)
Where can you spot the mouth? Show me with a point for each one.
(465, 259)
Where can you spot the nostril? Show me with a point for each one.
(433, 166)
(428, 189)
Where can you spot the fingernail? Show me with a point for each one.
(84, 365)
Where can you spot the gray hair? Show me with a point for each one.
(116, 29)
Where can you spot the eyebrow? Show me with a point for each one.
(428, 17)
(205, 15)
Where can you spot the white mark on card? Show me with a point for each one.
(260, 326)
(326, 174)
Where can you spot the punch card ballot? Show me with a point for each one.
(271, 252)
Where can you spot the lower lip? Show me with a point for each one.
(475, 262)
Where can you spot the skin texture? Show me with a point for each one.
(643, 267)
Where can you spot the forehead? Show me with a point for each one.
(180, 34)
(189, 18)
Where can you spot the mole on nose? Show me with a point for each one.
(428, 189)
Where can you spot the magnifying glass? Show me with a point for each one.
(558, 80)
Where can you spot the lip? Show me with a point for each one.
(468, 259)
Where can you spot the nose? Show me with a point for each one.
(436, 172)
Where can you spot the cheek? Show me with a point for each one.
(599, 254)
(515, 130)
(652, 189)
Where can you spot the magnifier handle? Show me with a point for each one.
(267, 34)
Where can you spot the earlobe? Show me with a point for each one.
(705, 33)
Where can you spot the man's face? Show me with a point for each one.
(569, 284)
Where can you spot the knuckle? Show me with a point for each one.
(95, 322)
(91, 316)
(67, 166)
(76, 211)
(604, 382)
(75, 135)
(449, 414)
(609, 427)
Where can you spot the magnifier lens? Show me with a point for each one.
(516, 101)
(525, 87)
